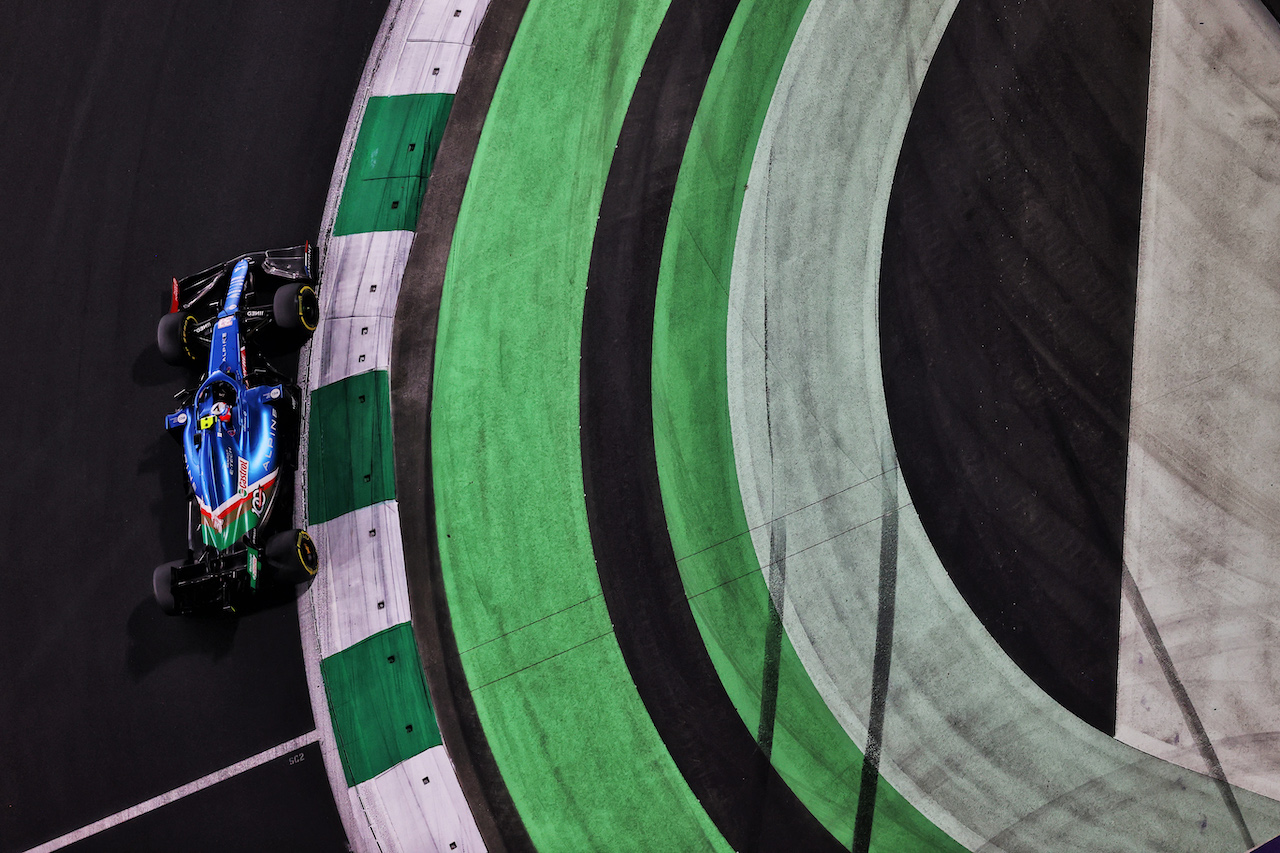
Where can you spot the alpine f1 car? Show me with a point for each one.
(238, 428)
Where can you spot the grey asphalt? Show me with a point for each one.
(1202, 503)
(966, 735)
(141, 140)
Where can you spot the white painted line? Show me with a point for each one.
(178, 793)
(359, 832)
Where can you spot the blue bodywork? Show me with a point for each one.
(229, 434)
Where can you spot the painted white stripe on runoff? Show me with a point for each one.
(448, 20)
(1202, 533)
(178, 793)
(432, 57)
(364, 590)
(836, 249)
(362, 274)
(967, 737)
(426, 67)
(421, 803)
(352, 345)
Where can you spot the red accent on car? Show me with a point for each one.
(174, 306)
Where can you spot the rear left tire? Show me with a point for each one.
(162, 587)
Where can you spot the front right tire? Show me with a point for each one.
(296, 307)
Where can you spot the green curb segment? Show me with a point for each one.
(575, 745)
(379, 704)
(393, 156)
(694, 446)
(351, 464)
(378, 699)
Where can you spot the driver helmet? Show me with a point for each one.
(224, 397)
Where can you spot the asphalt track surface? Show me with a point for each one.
(1007, 302)
(144, 140)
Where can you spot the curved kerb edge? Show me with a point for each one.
(412, 367)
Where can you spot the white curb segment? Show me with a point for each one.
(361, 590)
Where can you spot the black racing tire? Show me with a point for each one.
(296, 307)
(176, 338)
(162, 586)
(293, 556)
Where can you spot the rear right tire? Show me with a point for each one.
(293, 556)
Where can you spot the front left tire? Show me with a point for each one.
(176, 338)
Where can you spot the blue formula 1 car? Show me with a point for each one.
(238, 428)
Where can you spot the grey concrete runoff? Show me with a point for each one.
(966, 736)
(1202, 534)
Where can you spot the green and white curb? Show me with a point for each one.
(393, 781)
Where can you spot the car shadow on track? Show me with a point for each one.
(155, 638)
(149, 369)
(163, 459)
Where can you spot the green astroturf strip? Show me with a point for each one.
(694, 443)
(349, 463)
(379, 704)
(577, 750)
(394, 153)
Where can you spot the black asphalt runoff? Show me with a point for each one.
(412, 368)
(718, 755)
(282, 806)
(141, 140)
(1007, 301)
